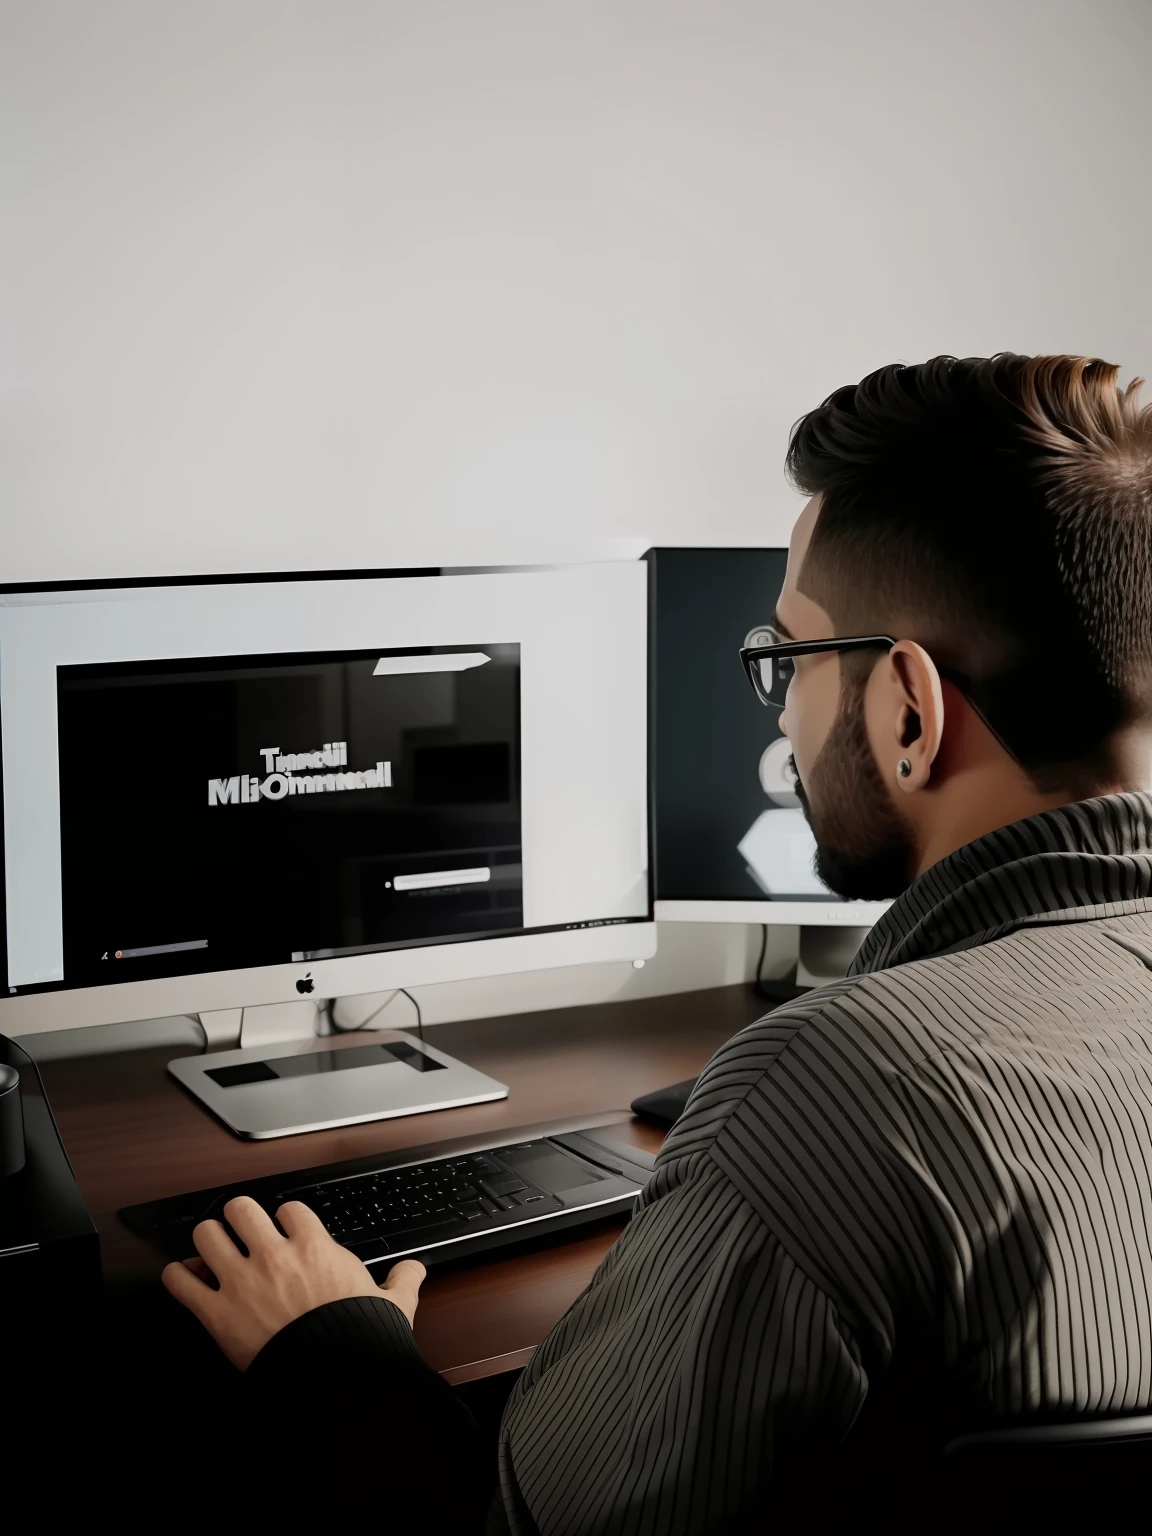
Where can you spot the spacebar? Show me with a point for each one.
(400, 1238)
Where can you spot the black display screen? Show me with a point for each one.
(724, 825)
(255, 810)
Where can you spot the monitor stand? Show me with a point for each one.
(825, 953)
(267, 1024)
(277, 1077)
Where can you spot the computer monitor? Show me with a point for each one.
(220, 794)
(729, 840)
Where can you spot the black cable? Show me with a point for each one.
(776, 992)
(419, 1015)
(343, 1029)
(350, 1029)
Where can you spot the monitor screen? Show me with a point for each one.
(727, 826)
(211, 776)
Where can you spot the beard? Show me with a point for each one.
(863, 848)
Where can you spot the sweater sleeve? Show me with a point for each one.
(400, 1446)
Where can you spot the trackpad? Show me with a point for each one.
(551, 1169)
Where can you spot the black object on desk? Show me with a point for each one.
(666, 1105)
(50, 1280)
(48, 1244)
(11, 1122)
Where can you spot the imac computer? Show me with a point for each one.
(729, 839)
(242, 798)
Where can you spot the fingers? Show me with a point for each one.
(300, 1220)
(188, 1289)
(250, 1222)
(402, 1285)
(216, 1248)
(408, 1272)
(198, 1268)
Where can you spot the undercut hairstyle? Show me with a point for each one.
(999, 511)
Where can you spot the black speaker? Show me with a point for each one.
(11, 1122)
(49, 1249)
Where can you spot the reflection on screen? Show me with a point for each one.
(778, 850)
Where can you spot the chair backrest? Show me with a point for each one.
(1134, 1431)
(1061, 1476)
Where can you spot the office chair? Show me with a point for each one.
(1051, 1470)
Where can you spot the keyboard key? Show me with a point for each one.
(503, 1184)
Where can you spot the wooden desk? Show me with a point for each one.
(133, 1134)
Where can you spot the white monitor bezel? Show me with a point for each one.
(795, 914)
(382, 971)
(599, 942)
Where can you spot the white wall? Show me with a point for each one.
(365, 283)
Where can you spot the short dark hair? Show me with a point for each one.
(998, 510)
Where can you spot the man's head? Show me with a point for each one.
(994, 515)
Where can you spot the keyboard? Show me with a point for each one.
(432, 1201)
(438, 1208)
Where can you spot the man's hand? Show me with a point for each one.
(280, 1280)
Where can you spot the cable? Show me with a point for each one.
(419, 1015)
(763, 952)
(351, 1029)
(776, 992)
(342, 1029)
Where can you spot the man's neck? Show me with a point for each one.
(974, 804)
(976, 788)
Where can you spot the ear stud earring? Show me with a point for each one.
(903, 768)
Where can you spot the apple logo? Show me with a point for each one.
(305, 984)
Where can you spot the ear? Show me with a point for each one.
(914, 716)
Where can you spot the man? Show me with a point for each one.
(917, 1200)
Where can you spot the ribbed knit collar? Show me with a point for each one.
(1089, 859)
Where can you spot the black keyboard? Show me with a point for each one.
(428, 1203)
(437, 1209)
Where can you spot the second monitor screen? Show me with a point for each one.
(261, 809)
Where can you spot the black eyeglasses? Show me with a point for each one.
(769, 662)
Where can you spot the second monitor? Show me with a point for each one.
(729, 840)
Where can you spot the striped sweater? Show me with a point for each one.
(924, 1191)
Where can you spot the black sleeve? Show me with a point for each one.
(358, 1421)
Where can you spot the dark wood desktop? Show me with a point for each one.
(133, 1134)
